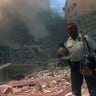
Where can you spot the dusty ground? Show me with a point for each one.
(43, 83)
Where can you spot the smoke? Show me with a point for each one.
(13, 29)
(29, 10)
(25, 20)
(20, 22)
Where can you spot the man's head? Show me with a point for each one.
(73, 30)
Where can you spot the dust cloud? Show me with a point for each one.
(25, 20)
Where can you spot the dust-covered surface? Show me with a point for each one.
(43, 83)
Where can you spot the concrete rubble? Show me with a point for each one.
(43, 83)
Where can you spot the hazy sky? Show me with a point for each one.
(58, 5)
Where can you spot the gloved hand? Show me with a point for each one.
(61, 52)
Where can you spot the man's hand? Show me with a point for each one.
(60, 52)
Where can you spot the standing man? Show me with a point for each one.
(78, 49)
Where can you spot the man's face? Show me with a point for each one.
(72, 30)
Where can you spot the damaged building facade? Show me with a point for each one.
(83, 13)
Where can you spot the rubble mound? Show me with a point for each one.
(43, 83)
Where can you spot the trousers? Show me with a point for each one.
(77, 80)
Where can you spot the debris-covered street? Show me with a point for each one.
(43, 83)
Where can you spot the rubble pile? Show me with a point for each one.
(43, 83)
